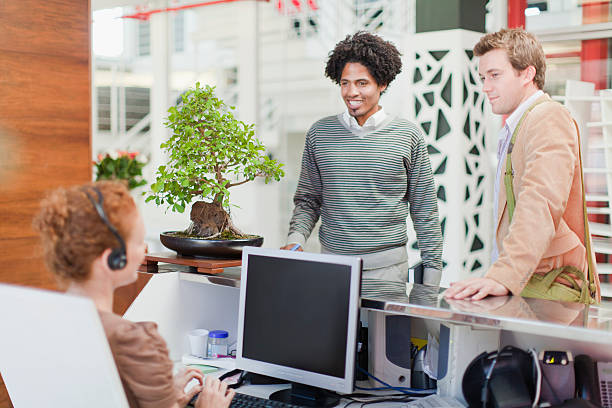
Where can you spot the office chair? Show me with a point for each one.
(54, 352)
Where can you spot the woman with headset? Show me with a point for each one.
(93, 241)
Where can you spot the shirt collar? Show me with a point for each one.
(371, 123)
(513, 120)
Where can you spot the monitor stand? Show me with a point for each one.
(305, 395)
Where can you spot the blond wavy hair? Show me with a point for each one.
(522, 48)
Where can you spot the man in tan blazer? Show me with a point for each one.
(547, 228)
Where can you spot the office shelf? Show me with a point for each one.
(597, 197)
(602, 245)
(598, 124)
(597, 170)
(598, 210)
(598, 228)
(605, 269)
(229, 277)
(227, 363)
(606, 290)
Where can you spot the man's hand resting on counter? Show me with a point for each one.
(475, 289)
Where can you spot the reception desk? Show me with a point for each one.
(469, 328)
(180, 301)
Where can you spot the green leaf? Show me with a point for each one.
(157, 186)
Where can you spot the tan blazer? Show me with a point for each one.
(547, 229)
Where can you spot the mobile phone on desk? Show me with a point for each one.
(233, 378)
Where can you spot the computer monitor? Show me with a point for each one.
(298, 320)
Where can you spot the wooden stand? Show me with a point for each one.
(200, 265)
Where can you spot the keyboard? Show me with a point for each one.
(243, 400)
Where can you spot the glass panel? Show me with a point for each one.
(558, 14)
(144, 38)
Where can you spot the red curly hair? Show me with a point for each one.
(72, 232)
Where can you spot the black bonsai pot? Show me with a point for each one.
(209, 248)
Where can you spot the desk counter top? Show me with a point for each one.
(563, 320)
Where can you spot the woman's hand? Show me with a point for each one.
(181, 379)
(214, 394)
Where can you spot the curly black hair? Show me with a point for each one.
(380, 57)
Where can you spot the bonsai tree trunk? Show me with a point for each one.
(210, 220)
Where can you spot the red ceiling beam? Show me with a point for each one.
(145, 15)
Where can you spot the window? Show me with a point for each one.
(144, 38)
(179, 32)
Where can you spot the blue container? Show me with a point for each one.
(217, 343)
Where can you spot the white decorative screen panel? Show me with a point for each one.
(449, 107)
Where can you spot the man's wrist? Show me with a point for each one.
(432, 276)
(296, 238)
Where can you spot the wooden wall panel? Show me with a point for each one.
(45, 130)
(51, 27)
(24, 257)
(5, 402)
(125, 295)
(45, 123)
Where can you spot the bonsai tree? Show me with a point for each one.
(210, 151)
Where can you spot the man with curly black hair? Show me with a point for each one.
(363, 171)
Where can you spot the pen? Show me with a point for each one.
(296, 246)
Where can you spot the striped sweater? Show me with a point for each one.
(363, 187)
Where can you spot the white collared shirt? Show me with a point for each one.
(370, 124)
(505, 135)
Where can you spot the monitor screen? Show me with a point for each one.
(298, 316)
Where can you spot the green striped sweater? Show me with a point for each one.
(363, 187)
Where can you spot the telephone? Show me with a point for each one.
(558, 376)
(507, 378)
(604, 375)
(593, 380)
(500, 379)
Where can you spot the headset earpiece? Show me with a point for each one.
(117, 259)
